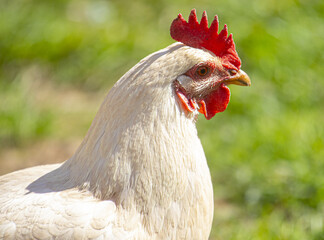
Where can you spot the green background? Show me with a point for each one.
(266, 151)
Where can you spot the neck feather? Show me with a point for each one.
(140, 146)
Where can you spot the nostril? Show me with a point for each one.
(232, 72)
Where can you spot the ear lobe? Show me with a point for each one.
(185, 81)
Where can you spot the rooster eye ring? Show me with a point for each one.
(202, 71)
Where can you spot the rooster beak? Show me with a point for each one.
(240, 78)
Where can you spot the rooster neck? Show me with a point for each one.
(142, 151)
(153, 151)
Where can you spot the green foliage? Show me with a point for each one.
(265, 152)
(20, 121)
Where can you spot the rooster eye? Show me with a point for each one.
(202, 71)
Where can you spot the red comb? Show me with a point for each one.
(198, 35)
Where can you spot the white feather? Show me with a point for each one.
(140, 172)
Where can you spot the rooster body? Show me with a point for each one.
(163, 172)
(140, 172)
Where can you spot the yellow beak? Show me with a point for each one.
(240, 78)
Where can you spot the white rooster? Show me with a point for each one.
(140, 172)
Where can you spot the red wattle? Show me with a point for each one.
(216, 101)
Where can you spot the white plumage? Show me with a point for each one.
(140, 172)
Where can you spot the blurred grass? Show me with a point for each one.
(266, 152)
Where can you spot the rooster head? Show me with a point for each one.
(203, 87)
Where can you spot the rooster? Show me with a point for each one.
(140, 172)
